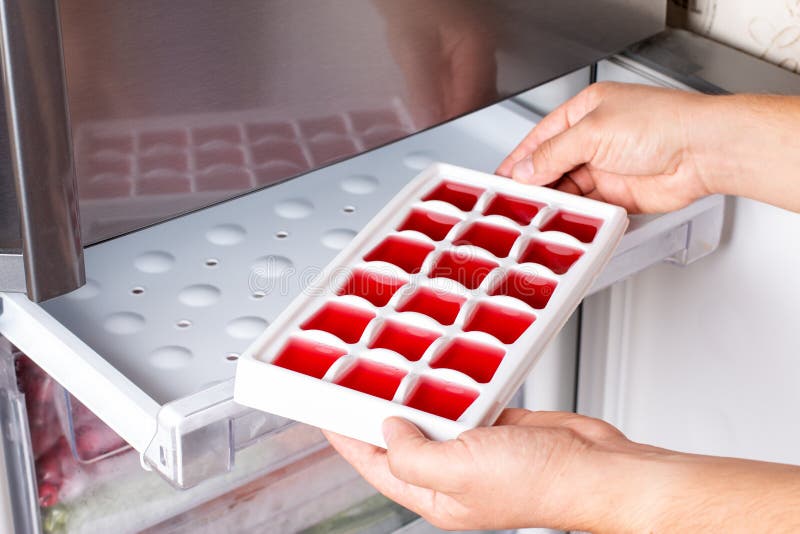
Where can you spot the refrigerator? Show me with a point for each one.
(186, 168)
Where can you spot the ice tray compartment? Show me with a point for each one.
(373, 379)
(462, 196)
(308, 357)
(407, 340)
(520, 210)
(493, 238)
(478, 361)
(408, 254)
(374, 286)
(557, 258)
(441, 398)
(464, 267)
(503, 322)
(461, 280)
(437, 304)
(343, 321)
(530, 288)
(581, 227)
(432, 224)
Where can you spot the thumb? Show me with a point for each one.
(558, 155)
(417, 460)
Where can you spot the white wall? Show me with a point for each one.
(769, 29)
(713, 349)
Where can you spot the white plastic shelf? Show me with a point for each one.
(150, 343)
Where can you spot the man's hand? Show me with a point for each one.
(530, 469)
(655, 150)
(570, 472)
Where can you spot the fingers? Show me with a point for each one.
(372, 463)
(410, 459)
(422, 462)
(558, 121)
(558, 155)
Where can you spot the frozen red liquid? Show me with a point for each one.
(407, 254)
(495, 239)
(461, 196)
(557, 258)
(409, 341)
(434, 225)
(506, 324)
(373, 379)
(580, 227)
(532, 289)
(476, 360)
(377, 288)
(518, 210)
(464, 267)
(443, 307)
(343, 321)
(441, 398)
(307, 357)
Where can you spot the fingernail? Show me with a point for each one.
(523, 170)
(388, 429)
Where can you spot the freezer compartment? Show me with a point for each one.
(149, 344)
(86, 484)
(334, 500)
(82, 488)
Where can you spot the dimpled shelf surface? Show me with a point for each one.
(436, 311)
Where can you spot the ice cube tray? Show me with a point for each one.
(436, 311)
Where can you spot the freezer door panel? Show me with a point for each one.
(317, 81)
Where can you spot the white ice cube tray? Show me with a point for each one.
(436, 311)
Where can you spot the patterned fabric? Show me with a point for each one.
(769, 29)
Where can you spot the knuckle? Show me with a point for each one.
(544, 154)
(599, 91)
(591, 122)
(397, 465)
(592, 428)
